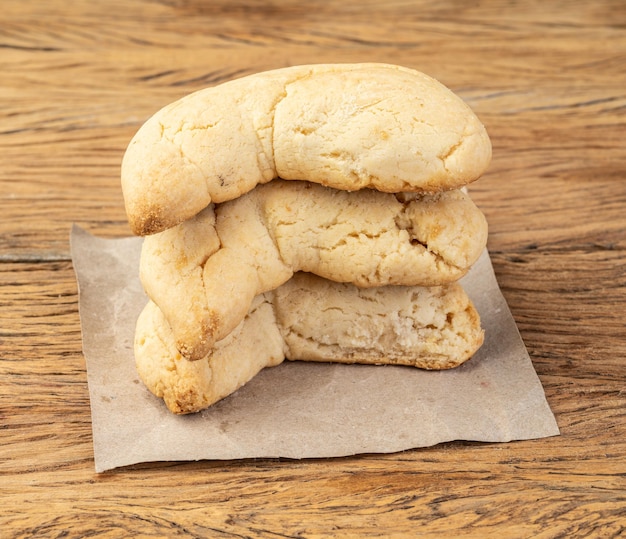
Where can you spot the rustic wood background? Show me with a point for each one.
(548, 79)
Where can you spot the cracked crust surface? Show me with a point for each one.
(347, 126)
(433, 327)
(311, 318)
(190, 386)
(204, 273)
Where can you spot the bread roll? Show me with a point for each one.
(310, 318)
(347, 126)
(204, 273)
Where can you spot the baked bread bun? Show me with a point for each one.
(204, 273)
(347, 126)
(311, 318)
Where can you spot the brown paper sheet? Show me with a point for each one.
(298, 410)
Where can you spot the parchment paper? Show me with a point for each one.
(298, 410)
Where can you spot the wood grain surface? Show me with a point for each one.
(548, 79)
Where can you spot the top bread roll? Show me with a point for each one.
(346, 126)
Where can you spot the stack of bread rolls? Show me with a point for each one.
(311, 213)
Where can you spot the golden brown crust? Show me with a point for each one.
(190, 386)
(347, 126)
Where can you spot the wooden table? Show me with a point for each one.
(547, 78)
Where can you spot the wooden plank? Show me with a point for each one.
(531, 487)
(546, 78)
(71, 111)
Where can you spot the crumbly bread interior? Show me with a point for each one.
(426, 327)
